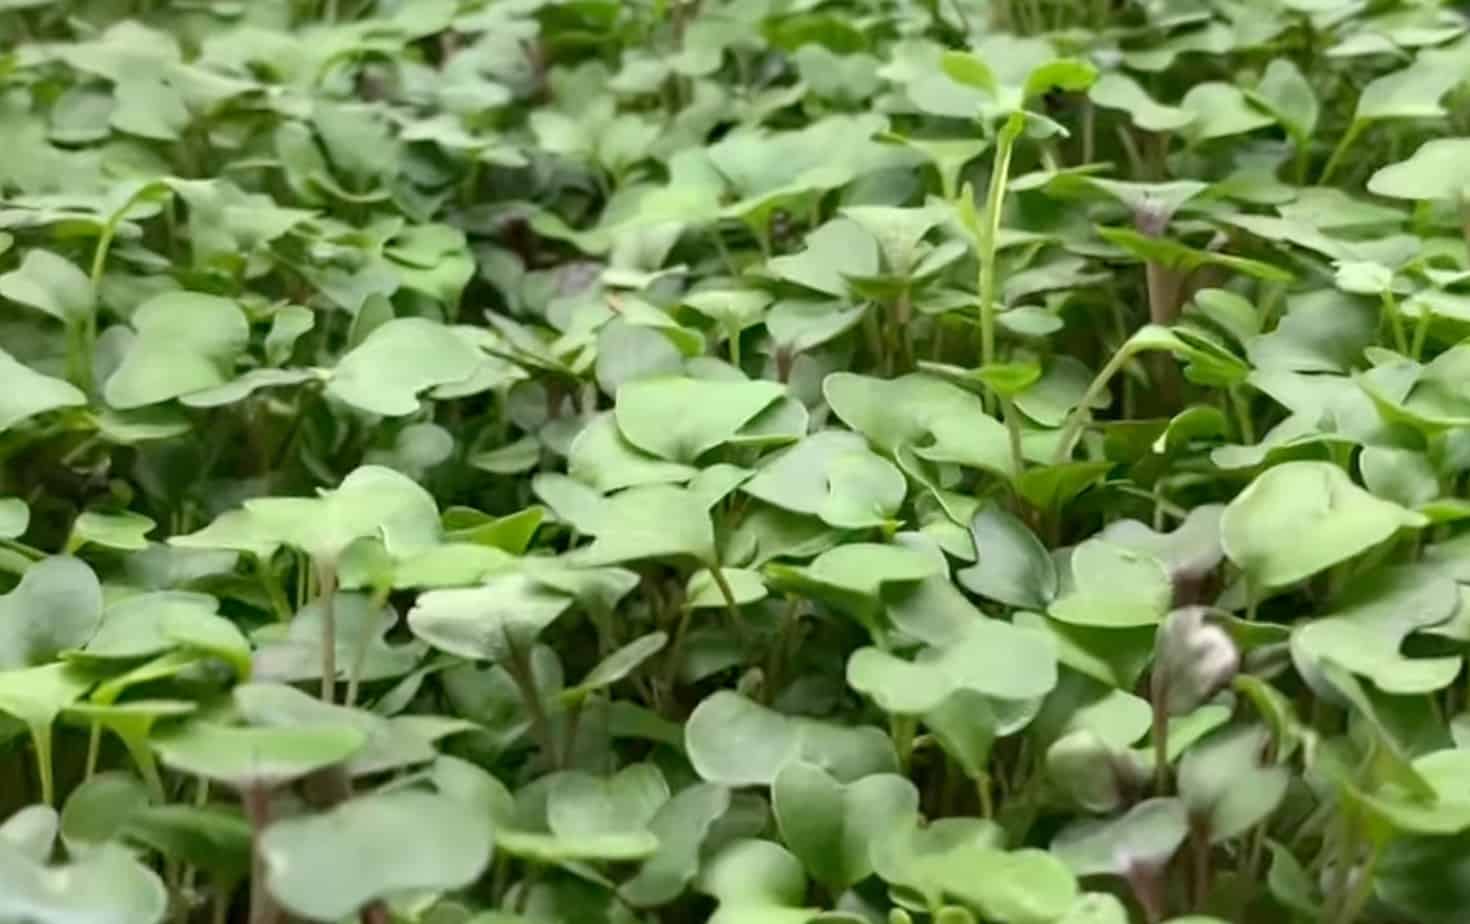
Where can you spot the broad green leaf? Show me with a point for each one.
(1437, 170)
(1225, 785)
(992, 657)
(56, 606)
(1027, 885)
(98, 811)
(52, 284)
(215, 839)
(602, 458)
(15, 517)
(25, 393)
(391, 744)
(370, 501)
(492, 622)
(107, 887)
(1117, 91)
(681, 419)
(580, 805)
(186, 342)
(1147, 835)
(1368, 623)
(386, 373)
(327, 866)
(1011, 566)
(703, 592)
(1299, 518)
(1115, 587)
(836, 252)
(244, 757)
(125, 531)
(655, 521)
(830, 827)
(681, 825)
(736, 742)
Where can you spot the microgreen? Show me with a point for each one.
(781, 462)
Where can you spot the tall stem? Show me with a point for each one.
(257, 803)
(327, 577)
(990, 231)
(724, 585)
(1348, 137)
(1076, 420)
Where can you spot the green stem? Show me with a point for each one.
(1348, 137)
(1421, 333)
(1161, 742)
(985, 790)
(327, 578)
(990, 231)
(1241, 404)
(41, 739)
(1362, 890)
(1013, 431)
(94, 748)
(1077, 419)
(518, 665)
(727, 593)
(1395, 321)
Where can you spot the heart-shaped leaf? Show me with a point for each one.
(832, 828)
(1299, 518)
(327, 866)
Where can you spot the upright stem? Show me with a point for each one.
(1161, 743)
(519, 667)
(1348, 137)
(724, 585)
(994, 199)
(327, 577)
(257, 803)
(41, 739)
(1076, 420)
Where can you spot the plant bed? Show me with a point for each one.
(734, 461)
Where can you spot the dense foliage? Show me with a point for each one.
(736, 461)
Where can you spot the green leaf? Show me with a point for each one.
(1117, 91)
(244, 757)
(186, 342)
(52, 284)
(370, 501)
(832, 828)
(992, 657)
(98, 810)
(1437, 170)
(650, 522)
(107, 887)
(1147, 835)
(327, 866)
(386, 373)
(836, 252)
(1226, 787)
(1369, 622)
(24, 393)
(15, 517)
(736, 742)
(56, 606)
(681, 825)
(681, 419)
(1026, 886)
(1012, 566)
(1115, 587)
(1287, 95)
(125, 531)
(493, 622)
(1299, 518)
